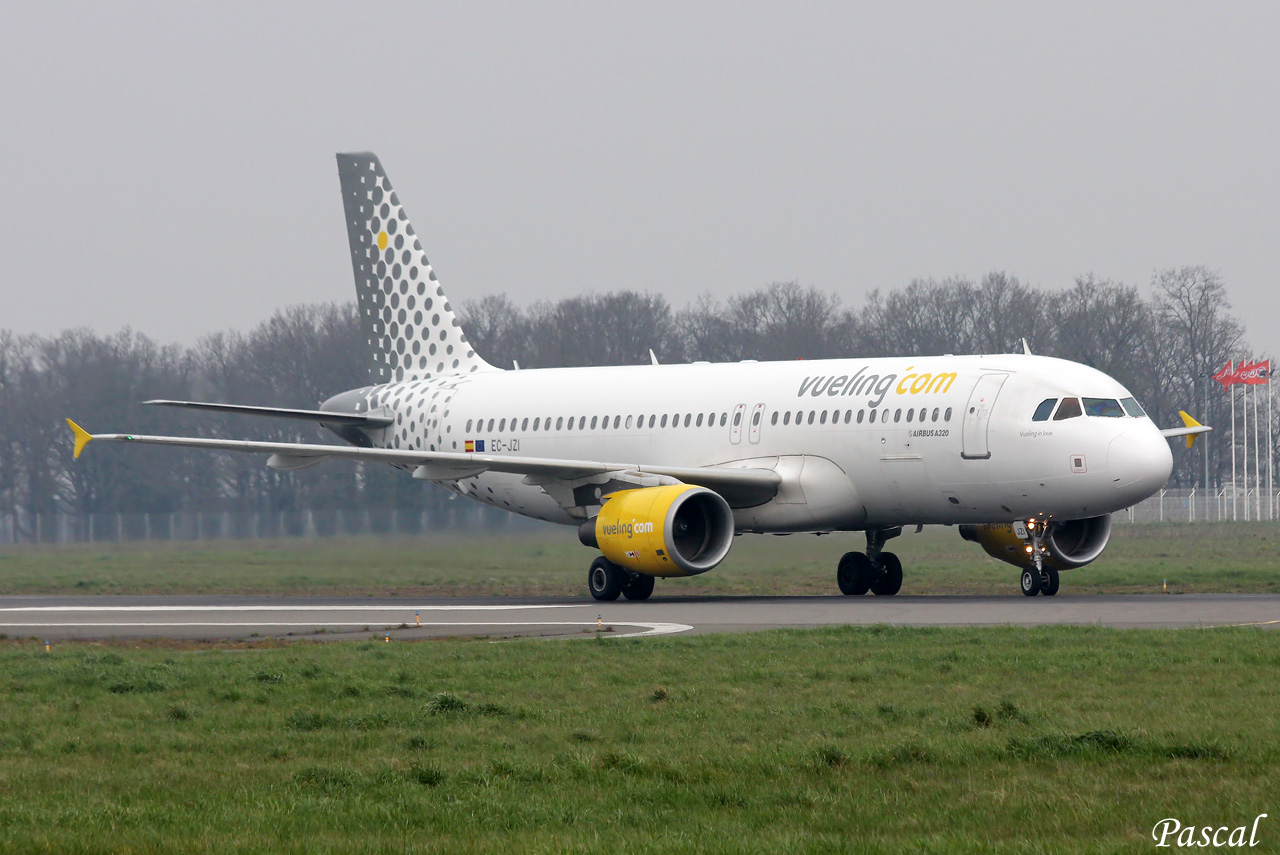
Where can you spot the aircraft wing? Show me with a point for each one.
(740, 487)
(1191, 429)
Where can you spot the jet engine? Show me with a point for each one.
(675, 530)
(1070, 543)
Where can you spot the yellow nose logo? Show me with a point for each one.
(382, 240)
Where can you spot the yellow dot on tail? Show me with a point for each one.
(382, 240)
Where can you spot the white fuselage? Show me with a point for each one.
(951, 440)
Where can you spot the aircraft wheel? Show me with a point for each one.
(605, 579)
(854, 573)
(1030, 582)
(1049, 582)
(890, 581)
(638, 586)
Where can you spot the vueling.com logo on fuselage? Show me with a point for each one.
(627, 528)
(844, 385)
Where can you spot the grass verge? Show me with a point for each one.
(869, 739)
(1207, 557)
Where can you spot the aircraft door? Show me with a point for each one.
(735, 423)
(757, 419)
(977, 416)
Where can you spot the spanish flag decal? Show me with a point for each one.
(469, 446)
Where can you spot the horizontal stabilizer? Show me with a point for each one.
(357, 419)
(1191, 429)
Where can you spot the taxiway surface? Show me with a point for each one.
(216, 617)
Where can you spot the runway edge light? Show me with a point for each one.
(82, 439)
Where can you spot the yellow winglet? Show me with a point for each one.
(1189, 422)
(82, 438)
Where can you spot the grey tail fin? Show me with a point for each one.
(407, 319)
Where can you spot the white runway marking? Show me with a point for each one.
(287, 608)
(650, 628)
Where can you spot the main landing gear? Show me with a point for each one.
(607, 581)
(875, 570)
(1037, 579)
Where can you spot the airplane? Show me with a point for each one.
(660, 466)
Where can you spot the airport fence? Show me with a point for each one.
(1196, 505)
(1175, 505)
(256, 525)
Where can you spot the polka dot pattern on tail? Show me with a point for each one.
(377, 227)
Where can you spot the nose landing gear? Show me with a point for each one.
(876, 571)
(1037, 579)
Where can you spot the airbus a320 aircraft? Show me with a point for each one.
(659, 466)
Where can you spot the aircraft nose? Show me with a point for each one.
(1140, 462)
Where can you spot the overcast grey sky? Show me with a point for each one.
(170, 166)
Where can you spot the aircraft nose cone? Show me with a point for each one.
(1139, 462)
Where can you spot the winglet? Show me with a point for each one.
(82, 438)
(653, 360)
(1191, 423)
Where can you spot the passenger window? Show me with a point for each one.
(536, 422)
(687, 418)
(582, 422)
(947, 417)
(774, 419)
(1043, 411)
(490, 425)
(860, 412)
(786, 417)
(664, 420)
(617, 420)
(935, 413)
(755, 419)
(872, 417)
(724, 417)
(1131, 407)
(910, 414)
(468, 425)
(823, 419)
(897, 415)
(699, 422)
(924, 411)
(711, 419)
(848, 416)
(737, 419)
(502, 425)
(629, 418)
(1108, 408)
(651, 420)
(811, 415)
(1068, 409)
(594, 419)
(524, 425)
(559, 422)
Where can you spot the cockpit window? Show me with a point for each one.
(1131, 407)
(1106, 407)
(1044, 410)
(1068, 409)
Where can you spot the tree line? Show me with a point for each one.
(1162, 345)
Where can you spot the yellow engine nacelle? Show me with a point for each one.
(677, 530)
(1073, 543)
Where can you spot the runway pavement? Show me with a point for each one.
(217, 617)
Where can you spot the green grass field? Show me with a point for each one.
(872, 739)
(1240, 557)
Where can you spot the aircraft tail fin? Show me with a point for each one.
(407, 319)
